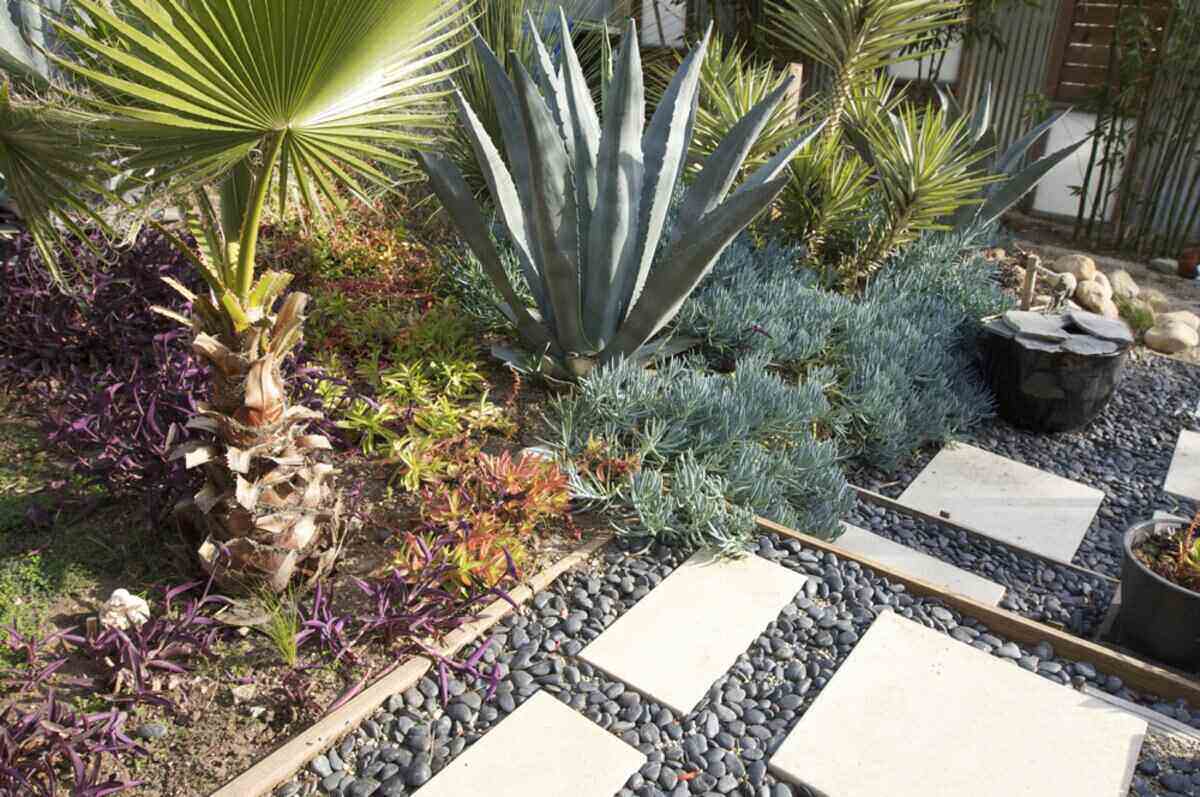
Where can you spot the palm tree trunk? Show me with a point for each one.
(269, 510)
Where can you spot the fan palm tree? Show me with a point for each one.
(220, 105)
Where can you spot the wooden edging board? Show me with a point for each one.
(1135, 673)
(894, 505)
(286, 760)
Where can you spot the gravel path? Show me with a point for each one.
(722, 746)
(1125, 453)
(1048, 593)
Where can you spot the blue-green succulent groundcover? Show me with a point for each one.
(789, 382)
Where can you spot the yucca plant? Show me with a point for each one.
(316, 99)
(585, 203)
(856, 39)
(732, 82)
(925, 168)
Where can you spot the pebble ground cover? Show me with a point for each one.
(723, 744)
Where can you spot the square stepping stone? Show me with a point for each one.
(1007, 500)
(914, 713)
(1183, 477)
(912, 562)
(543, 749)
(688, 631)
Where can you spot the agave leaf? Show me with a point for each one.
(778, 162)
(552, 85)
(665, 347)
(1012, 190)
(504, 194)
(612, 230)
(686, 262)
(456, 197)
(722, 166)
(981, 120)
(665, 146)
(585, 127)
(553, 202)
(1012, 156)
(512, 129)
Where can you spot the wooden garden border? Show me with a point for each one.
(1135, 673)
(286, 760)
(896, 506)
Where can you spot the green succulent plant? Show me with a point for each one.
(585, 202)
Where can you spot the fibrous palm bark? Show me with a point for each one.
(269, 509)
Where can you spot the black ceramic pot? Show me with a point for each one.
(1048, 389)
(1158, 618)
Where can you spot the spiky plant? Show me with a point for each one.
(508, 27)
(856, 39)
(584, 204)
(1015, 177)
(238, 97)
(732, 82)
(926, 168)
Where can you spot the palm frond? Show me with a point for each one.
(52, 171)
(339, 90)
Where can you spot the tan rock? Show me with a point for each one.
(1183, 317)
(1082, 266)
(1110, 310)
(1157, 299)
(123, 610)
(1102, 278)
(1171, 337)
(1123, 284)
(1092, 295)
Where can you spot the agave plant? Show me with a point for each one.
(207, 97)
(509, 27)
(1016, 178)
(585, 203)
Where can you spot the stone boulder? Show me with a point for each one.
(1183, 317)
(1171, 337)
(1093, 295)
(1156, 299)
(1110, 310)
(123, 610)
(1082, 266)
(1123, 285)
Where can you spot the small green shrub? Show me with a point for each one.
(748, 437)
(897, 362)
(1139, 315)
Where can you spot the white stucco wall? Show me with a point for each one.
(907, 70)
(1054, 194)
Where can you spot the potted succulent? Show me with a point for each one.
(1160, 591)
